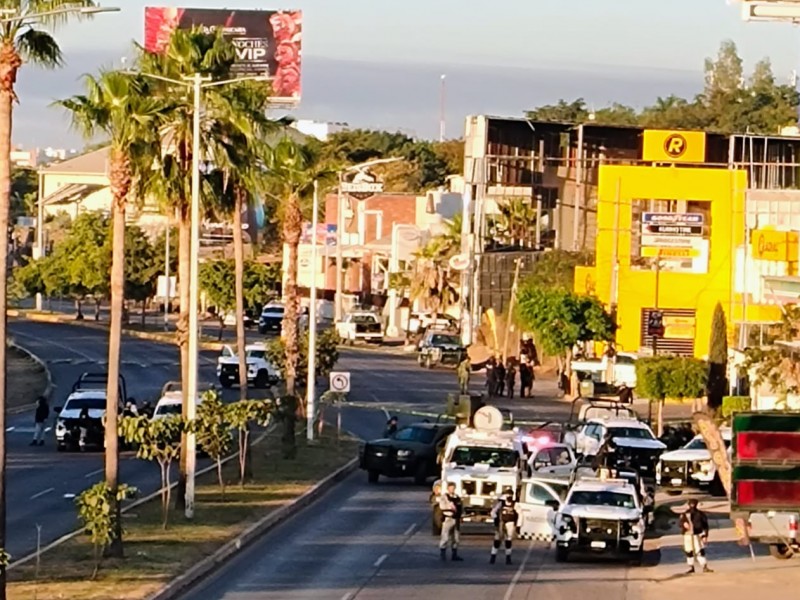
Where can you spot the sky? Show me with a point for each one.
(378, 63)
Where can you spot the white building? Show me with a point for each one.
(319, 129)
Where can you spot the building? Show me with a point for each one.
(319, 129)
(380, 235)
(700, 218)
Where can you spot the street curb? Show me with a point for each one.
(48, 390)
(211, 564)
(134, 333)
(68, 536)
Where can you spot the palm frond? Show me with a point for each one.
(39, 47)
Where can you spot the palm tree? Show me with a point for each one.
(188, 52)
(429, 282)
(292, 169)
(120, 107)
(20, 41)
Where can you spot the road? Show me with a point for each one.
(42, 483)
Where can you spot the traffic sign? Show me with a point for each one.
(655, 324)
(340, 382)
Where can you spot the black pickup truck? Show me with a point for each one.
(411, 452)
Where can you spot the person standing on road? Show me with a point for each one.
(39, 421)
(511, 378)
(452, 508)
(500, 378)
(505, 516)
(464, 372)
(391, 427)
(694, 526)
(491, 376)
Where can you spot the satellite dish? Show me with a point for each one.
(460, 262)
(488, 418)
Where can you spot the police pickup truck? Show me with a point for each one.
(260, 372)
(484, 462)
(80, 422)
(600, 516)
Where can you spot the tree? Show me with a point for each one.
(213, 431)
(217, 281)
(121, 107)
(556, 268)
(561, 112)
(430, 282)
(187, 53)
(241, 415)
(775, 364)
(717, 359)
(101, 522)
(142, 266)
(661, 377)
(451, 153)
(292, 170)
(516, 225)
(561, 318)
(327, 356)
(157, 440)
(24, 191)
(20, 40)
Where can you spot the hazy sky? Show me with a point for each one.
(631, 50)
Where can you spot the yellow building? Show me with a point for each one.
(672, 240)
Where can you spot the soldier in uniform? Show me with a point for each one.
(464, 371)
(505, 518)
(452, 509)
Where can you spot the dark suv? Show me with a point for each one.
(411, 452)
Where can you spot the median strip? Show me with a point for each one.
(159, 563)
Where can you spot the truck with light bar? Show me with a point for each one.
(765, 479)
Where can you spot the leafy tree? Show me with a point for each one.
(430, 281)
(516, 224)
(213, 431)
(775, 364)
(561, 318)
(142, 266)
(24, 191)
(661, 377)
(101, 521)
(156, 440)
(160, 251)
(717, 359)
(327, 356)
(286, 414)
(556, 268)
(451, 153)
(217, 280)
(241, 415)
(561, 112)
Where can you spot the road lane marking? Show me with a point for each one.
(348, 596)
(10, 428)
(518, 574)
(42, 493)
(95, 472)
(410, 530)
(379, 562)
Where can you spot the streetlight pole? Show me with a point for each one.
(311, 387)
(442, 103)
(196, 82)
(166, 277)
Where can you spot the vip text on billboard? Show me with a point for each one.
(267, 42)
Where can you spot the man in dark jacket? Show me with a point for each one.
(500, 378)
(40, 420)
(694, 526)
(511, 379)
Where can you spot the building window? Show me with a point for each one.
(670, 235)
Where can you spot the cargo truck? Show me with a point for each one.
(765, 479)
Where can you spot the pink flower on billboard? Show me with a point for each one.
(159, 24)
(287, 33)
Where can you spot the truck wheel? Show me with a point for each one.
(428, 362)
(61, 447)
(637, 557)
(436, 521)
(262, 379)
(781, 551)
(373, 476)
(716, 488)
(562, 554)
(226, 383)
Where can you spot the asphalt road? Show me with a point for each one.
(42, 483)
(373, 542)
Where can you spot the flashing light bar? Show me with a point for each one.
(770, 10)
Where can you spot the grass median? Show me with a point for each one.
(154, 555)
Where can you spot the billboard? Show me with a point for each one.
(267, 42)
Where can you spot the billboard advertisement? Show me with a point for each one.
(267, 42)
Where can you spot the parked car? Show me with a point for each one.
(410, 452)
(440, 348)
(271, 319)
(360, 325)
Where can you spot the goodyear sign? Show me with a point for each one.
(674, 146)
(778, 246)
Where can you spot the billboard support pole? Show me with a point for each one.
(311, 398)
(339, 258)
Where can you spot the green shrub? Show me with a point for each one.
(734, 404)
(660, 377)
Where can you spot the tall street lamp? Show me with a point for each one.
(311, 378)
(197, 83)
(340, 224)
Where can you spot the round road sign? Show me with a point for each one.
(340, 382)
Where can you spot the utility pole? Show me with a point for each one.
(311, 391)
(468, 250)
(166, 277)
(337, 301)
(442, 105)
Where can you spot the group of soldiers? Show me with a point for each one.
(501, 379)
(504, 515)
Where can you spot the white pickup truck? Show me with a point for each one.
(623, 369)
(360, 325)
